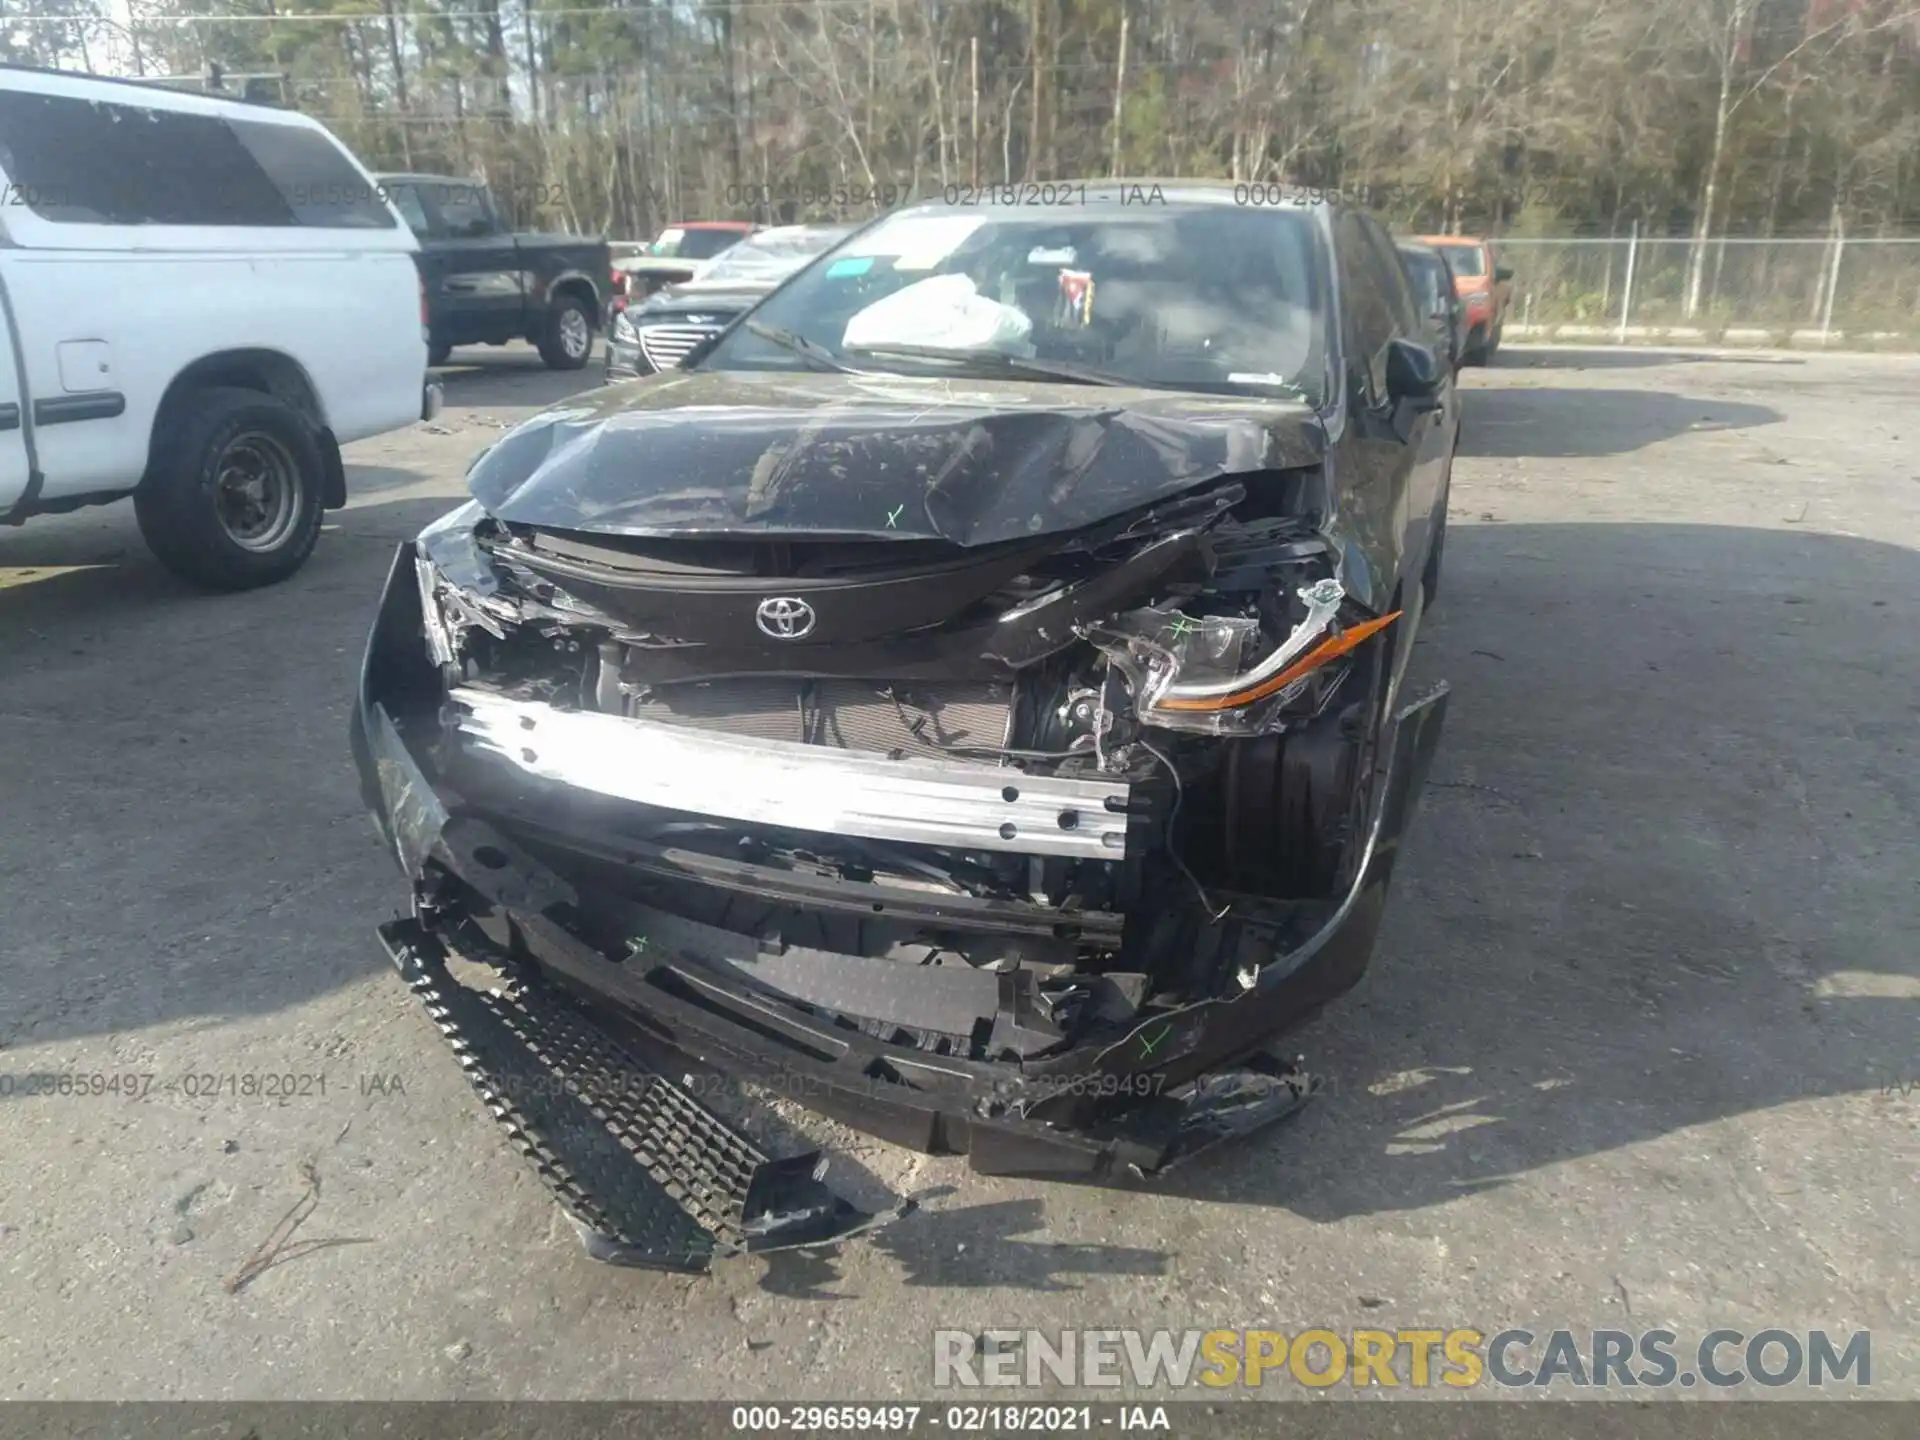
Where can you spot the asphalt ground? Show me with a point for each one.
(1637, 1048)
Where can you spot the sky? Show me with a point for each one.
(115, 57)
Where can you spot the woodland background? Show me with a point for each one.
(1685, 118)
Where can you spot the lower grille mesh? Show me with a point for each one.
(850, 714)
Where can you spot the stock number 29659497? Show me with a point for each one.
(810, 1418)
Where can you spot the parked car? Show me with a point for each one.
(701, 239)
(677, 254)
(487, 285)
(1443, 309)
(663, 330)
(1483, 284)
(280, 316)
(967, 700)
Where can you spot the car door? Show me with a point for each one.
(1430, 435)
(1378, 449)
(473, 277)
(160, 189)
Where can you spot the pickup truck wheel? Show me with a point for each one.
(233, 493)
(569, 338)
(1493, 343)
(437, 354)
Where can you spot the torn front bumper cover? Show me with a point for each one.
(574, 1053)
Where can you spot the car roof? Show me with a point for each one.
(132, 90)
(1183, 189)
(1122, 193)
(742, 225)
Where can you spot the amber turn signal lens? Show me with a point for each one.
(1331, 648)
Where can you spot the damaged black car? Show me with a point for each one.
(966, 699)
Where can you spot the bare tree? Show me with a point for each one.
(1696, 117)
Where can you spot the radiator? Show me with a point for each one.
(849, 714)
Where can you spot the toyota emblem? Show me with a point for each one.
(784, 617)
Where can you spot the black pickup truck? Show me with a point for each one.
(487, 285)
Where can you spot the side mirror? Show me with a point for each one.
(1413, 374)
(1503, 272)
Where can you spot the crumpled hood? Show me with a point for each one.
(970, 461)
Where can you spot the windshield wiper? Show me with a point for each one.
(800, 345)
(1051, 369)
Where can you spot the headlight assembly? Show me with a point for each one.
(456, 581)
(1194, 672)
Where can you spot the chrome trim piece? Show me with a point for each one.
(665, 346)
(800, 787)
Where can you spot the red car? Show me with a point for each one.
(674, 255)
(1485, 288)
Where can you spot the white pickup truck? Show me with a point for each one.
(202, 300)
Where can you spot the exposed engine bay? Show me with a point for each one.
(1181, 652)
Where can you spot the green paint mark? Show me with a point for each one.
(1147, 1047)
(637, 945)
(894, 514)
(1182, 627)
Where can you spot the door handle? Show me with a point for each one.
(462, 287)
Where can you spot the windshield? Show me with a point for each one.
(770, 256)
(1465, 259)
(1192, 296)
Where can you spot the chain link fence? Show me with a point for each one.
(1841, 294)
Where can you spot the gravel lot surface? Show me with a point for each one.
(1637, 1048)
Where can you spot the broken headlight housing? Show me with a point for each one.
(1204, 673)
(457, 582)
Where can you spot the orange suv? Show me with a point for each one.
(1485, 288)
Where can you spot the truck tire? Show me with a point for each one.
(568, 339)
(1493, 341)
(437, 354)
(233, 493)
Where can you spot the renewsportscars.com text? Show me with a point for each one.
(1416, 1359)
